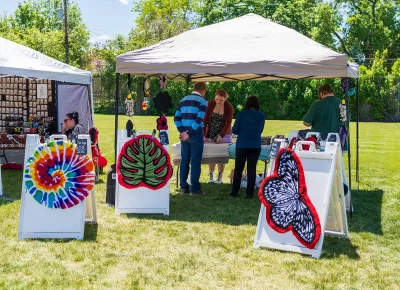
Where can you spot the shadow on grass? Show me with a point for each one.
(4, 200)
(91, 232)
(12, 183)
(100, 181)
(367, 211)
(216, 207)
(335, 247)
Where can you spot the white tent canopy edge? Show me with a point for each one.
(19, 60)
(245, 48)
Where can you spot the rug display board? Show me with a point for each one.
(40, 220)
(141, 197)
(324, 182)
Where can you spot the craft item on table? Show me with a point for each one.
(12, 166)
(145, 105)
(130, 105)
(143, 162)
(57, 177)
(288, 206)
(146, 87)
(162, 123)
(12, 141)
(129, 128)
(163, 81)
(266, 140)
(163, 102)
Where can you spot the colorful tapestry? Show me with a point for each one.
(57, 177)
(143, 162)
(284, 194)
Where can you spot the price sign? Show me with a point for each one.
(81, 147)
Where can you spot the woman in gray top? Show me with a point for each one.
(72, 128)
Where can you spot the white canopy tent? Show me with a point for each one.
(245, 48)
(16, 59)
(19, 60)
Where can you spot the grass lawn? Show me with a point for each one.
(206, 242)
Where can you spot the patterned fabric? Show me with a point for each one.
(190, 113)
(216, 125)
(284, 194)
(57, 177)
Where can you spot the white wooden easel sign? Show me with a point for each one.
(303, 199)
(58, 179)
(143, 173)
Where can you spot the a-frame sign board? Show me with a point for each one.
(141, 199)
(323, 175)
(38, 221)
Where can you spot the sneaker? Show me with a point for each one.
(219, 179)
(184, 191)
(198, 193)
(211, 180)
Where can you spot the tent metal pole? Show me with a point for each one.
(116, 115)
(187, 84)
(358, 121)
(91, 99)
(348, 142)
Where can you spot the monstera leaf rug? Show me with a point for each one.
(143, 162)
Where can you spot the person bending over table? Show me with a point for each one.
(189, 122)
(323, 115)
(248, 126)
(218, 127)
(72, 128)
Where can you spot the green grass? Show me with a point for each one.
(206, 242)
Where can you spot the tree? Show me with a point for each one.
(370, 26)
(159, 20)
(36, 25)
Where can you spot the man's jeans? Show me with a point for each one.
(192, 152)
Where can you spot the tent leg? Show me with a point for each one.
(187, 84)
(91, 100)
(348, 143)
(116, 116)
(357, 146)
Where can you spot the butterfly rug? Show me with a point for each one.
(288, 206)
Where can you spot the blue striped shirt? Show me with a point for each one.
(190, 114)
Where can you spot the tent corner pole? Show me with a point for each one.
(357, 132)
(187, 84)
(91, 99)
(116, 116)
(346, 96)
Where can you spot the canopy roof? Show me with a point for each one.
(19, 60)
(245, 48)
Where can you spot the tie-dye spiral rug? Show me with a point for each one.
(57, 177)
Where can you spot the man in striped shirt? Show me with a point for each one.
(189, 121)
